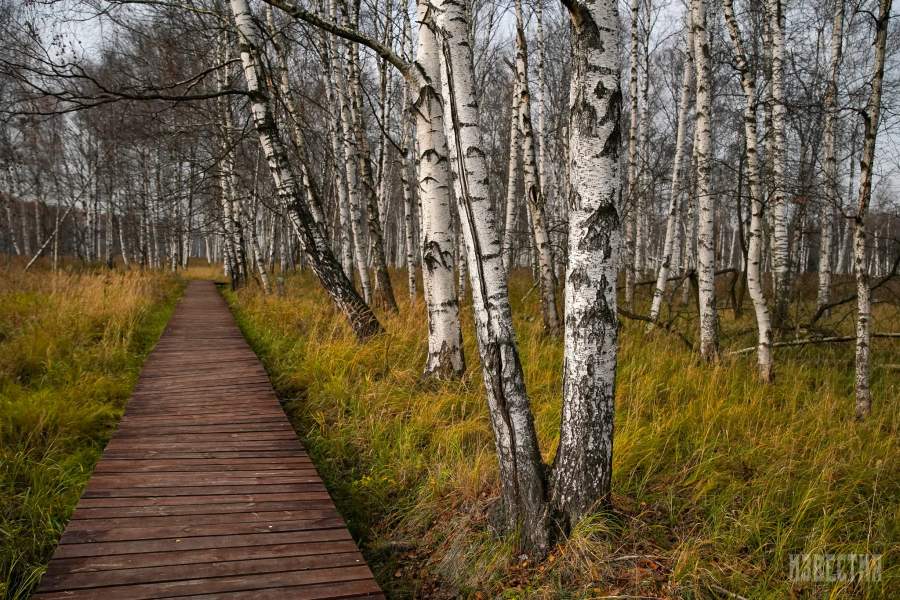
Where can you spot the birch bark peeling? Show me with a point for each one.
(582, 470)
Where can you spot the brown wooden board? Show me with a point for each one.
(205, 491)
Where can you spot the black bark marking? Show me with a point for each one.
(599, 228)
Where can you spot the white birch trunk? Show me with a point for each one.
(582, 470)
(777, 197)
(338, 152)
(706, 257)
(631, 210)
(521, 469)
(323, 263)
(864, 300)
(533, 189)
(445, 351)
(350, 165)
(542, 103)
(755, 241)
(383, 292)
(830, 206)
(512, 180)
(671, 240)
(406, 168)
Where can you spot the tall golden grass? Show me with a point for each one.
(718, 479)
(71, 345)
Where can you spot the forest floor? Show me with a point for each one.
(718, 479)
(71, 346)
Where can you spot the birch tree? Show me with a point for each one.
(533, 189)
(445, 356)
(831, 201)
(777, 196)
(755, 233)
(671, 240)
(582, 470)
(317, 251)
(522, 483)
(631, 212)
(706, 256)
(512, 182)
(445, 352)
(870, 116)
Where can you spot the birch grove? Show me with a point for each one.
(492, 153)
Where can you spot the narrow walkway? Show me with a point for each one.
(204, 490)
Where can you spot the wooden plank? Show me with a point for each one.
(205, 490)
(189, 557)
(195, 571)
(198, 543)
(218, 585)
(189, 500)
(135, 465)
(177, 534)
(292, 514)
(90, 514)
(347, 589)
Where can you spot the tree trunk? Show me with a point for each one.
(533, 190)
(777, 198)
(383, 294)
(706, 258)
(863, 292)
(631, 211)
(671, 239)
(10, 221)
(322, 261)
(445, 350)
(406, 169)
(754, 245)
(512, 184)
(350, 165)
(582, 470)
(831, 202)
(521, 469)
(335, 101)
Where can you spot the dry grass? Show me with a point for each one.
(718, 479)
(71, 345)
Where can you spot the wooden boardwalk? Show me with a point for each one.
(204, 490)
